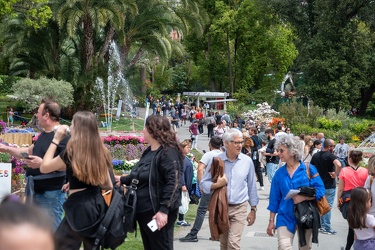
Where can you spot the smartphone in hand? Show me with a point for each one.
(153, 225)
(25, 155)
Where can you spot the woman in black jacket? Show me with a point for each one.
(159, 188)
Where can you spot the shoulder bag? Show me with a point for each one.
(322, 203)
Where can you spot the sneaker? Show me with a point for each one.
(189, 238)
(330, 232)
(261, 188)
(183, 223)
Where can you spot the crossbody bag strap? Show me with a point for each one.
(106, 220)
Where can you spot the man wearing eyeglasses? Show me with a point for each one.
(239, 177)
(328, 166)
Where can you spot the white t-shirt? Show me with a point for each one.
(369, 232)
(207, 157)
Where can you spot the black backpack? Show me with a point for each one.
(111, 232)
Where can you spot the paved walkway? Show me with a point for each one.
(255, 237)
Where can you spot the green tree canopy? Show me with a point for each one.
(33, 91)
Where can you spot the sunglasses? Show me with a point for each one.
(372, 174)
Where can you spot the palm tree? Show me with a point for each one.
(31, 52)
(84, 21)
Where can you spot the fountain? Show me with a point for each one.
(109, 89)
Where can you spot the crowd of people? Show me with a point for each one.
(300, 169)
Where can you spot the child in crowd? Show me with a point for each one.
(360, 220)
(186, 177)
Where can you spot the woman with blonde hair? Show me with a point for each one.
(87, 163)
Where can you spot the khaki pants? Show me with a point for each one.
(237, 218)
(286, 239)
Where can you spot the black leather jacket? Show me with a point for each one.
(307, 216)
(164, 179)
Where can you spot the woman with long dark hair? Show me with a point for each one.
(87, 164)
(159, 189)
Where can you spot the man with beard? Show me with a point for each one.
(45, 190)
(271, 154)
(328, 166)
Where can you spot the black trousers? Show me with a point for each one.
(210, 129)
(258, 172)
(160, 239)
(67, 239)
(200, 128)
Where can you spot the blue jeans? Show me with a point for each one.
(326, 219)
(201, 212)
(271, 170)
(52, 201)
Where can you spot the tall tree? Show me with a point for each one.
(87, 19)
(336, 50)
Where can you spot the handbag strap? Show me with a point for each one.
(309, 174)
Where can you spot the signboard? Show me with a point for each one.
(118, 113)
(5, 179)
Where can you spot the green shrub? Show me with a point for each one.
(298, 129)
(329, 124)
(359, 127)
(295, 112)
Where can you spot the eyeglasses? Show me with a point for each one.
(237, 142)
(281, 150)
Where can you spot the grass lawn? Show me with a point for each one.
(125, 124)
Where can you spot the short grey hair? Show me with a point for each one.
(228, 136)
(293, 144)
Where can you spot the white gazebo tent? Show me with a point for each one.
(209, 95)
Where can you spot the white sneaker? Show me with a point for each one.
(261, 188)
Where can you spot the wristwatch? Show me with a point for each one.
(254, 209)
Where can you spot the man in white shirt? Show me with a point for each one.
(239, 177)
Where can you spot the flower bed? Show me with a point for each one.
(125, 150)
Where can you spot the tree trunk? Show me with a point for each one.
(88, 43)
(212, 80)
(230, 66)
(136, 58)
(108, 39)
(89, 57)
(366, 96)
